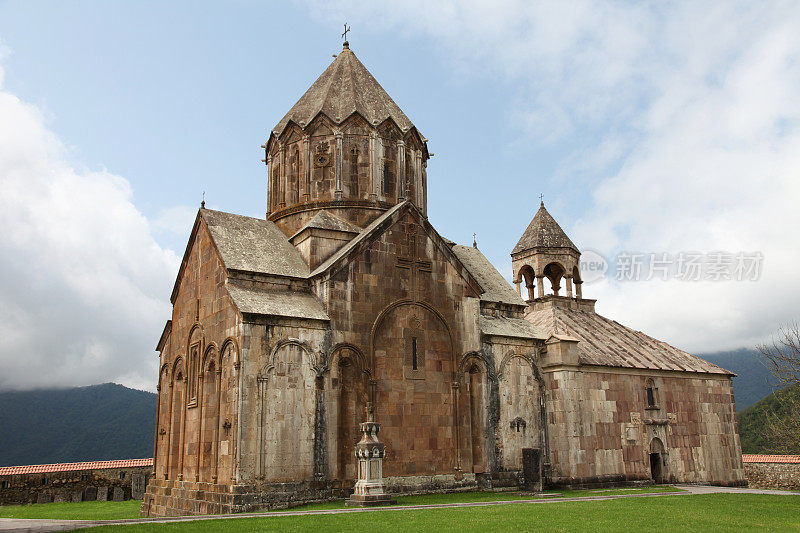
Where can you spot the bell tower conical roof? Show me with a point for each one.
(543, 232)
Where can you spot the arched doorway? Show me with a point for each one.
(657, 460)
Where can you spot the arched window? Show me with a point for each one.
(294, 177)
(652, 394)
(554, 272)
(353, 185)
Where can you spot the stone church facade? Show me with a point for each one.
(285, 329)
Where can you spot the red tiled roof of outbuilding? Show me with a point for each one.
(71, 467)
(755, 458)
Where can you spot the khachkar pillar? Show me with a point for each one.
(369, 453)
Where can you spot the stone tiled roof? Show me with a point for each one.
(494, 285)
(254, 245)
(294, 304)
(753, 458)
(346, 87)
(70, 467)
(606, 342)
(543, 232)
(509, 327)
(324, 220)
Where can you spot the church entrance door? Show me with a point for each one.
(655, 467)
(657, 460)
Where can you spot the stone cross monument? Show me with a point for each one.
(370, 452)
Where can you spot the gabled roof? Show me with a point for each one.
(254, 245)
(543, 232)
(365, 233)
(605, 342)
(509, 327)
(346, 87)
(74, 467)
(494, 285)
(380, 224)
(324, 220)
(267, 302)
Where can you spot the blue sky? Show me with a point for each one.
(661, 128)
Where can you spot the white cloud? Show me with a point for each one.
(84, 287)
(685, 121)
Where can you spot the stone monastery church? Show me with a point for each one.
(286, 329)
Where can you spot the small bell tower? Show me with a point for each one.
(545, 251)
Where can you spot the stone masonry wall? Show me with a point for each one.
(784, 476)
(402, 286)
(77, 485)
(204, 341)
(601, 429)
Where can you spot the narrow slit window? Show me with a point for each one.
(652, 394)
(414, 353)
(386, 179)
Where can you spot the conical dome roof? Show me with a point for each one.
(543, 232)
(344, 88)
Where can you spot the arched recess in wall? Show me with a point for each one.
(475, 375)
(346, 394)
(287, 406)
(209, 412)
(413, 364)
(176, 416)
(224, 441)
(194, 348)
(521, 408)
(162, 431)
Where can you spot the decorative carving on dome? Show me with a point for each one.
(322, 157)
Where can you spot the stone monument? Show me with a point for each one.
(370, 451)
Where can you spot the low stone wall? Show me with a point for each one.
(785, 476)
(87, 484)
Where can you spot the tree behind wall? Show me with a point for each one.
(782, 357)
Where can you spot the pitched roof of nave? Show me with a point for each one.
(257, 246)
(254, 245)
(606, 342)
(269, 302)
(346, 87)
(543, 232)
(494, 285)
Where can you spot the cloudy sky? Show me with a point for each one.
(650, 128)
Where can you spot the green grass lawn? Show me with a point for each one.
(74, 511)
(130, 509)
(708, 512)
